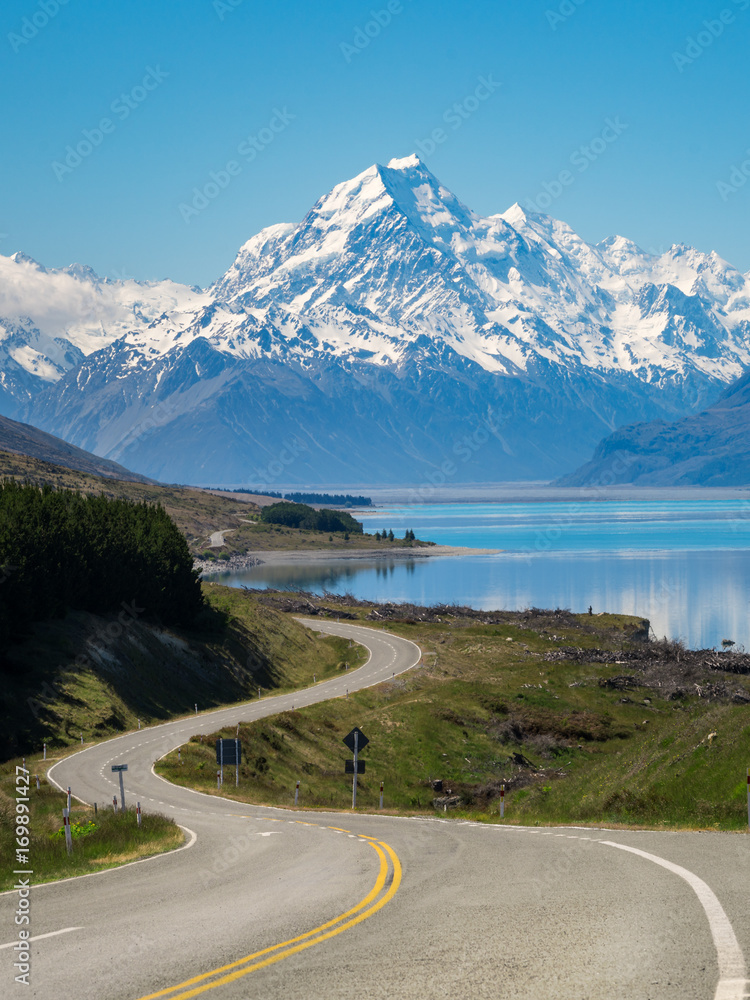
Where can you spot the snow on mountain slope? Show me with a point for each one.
(393, 287)
(50, 319)
(394, 247)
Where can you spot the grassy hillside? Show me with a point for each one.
(96, 675)
(26, 440)
(197, 513)
(578, 717)
(262, 537)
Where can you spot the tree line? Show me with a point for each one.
(340, 499)
(299, 515)
(61, 550)
(409, 536)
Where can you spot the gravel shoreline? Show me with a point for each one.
(285, 557)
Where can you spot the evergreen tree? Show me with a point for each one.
(62, 551)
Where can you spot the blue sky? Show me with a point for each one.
(114, 113)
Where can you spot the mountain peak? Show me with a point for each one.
(410, 162)
(513, 215)
(19, 257)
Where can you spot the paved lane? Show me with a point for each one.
(482, 911)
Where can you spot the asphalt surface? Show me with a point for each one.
(280, 904)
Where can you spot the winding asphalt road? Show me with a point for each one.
(276, 904)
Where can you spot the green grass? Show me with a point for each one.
(261, 537)
(484, 711)
(101, 840)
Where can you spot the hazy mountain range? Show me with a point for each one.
(393, 335)
(711, 448)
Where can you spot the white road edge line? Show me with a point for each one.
(118, 868)
(40, 937)
(732, 971)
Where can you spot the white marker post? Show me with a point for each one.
(296, 794)
(356, 754)
(37, 782)
(502, 801)
(179, 756)
(66, 827)
(218, 779)
(139, 723)
(196, 708)
(68, 798)
(381, 794)
(81, 739)
(138, 812)
(45, 751)
(114, 803)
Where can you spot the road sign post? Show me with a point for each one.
(120, 768)
(356, 741)
(229, 752)
(354, 778)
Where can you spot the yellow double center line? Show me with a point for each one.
(368, 906)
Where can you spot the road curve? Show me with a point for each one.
(279, 904)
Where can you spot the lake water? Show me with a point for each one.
(682, 563)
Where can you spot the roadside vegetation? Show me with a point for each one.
(94, 676)
(580, 717)
(100, 840)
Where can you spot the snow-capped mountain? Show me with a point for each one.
(51, 319)
(391, 335)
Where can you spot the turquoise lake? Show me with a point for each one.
(684, 564)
